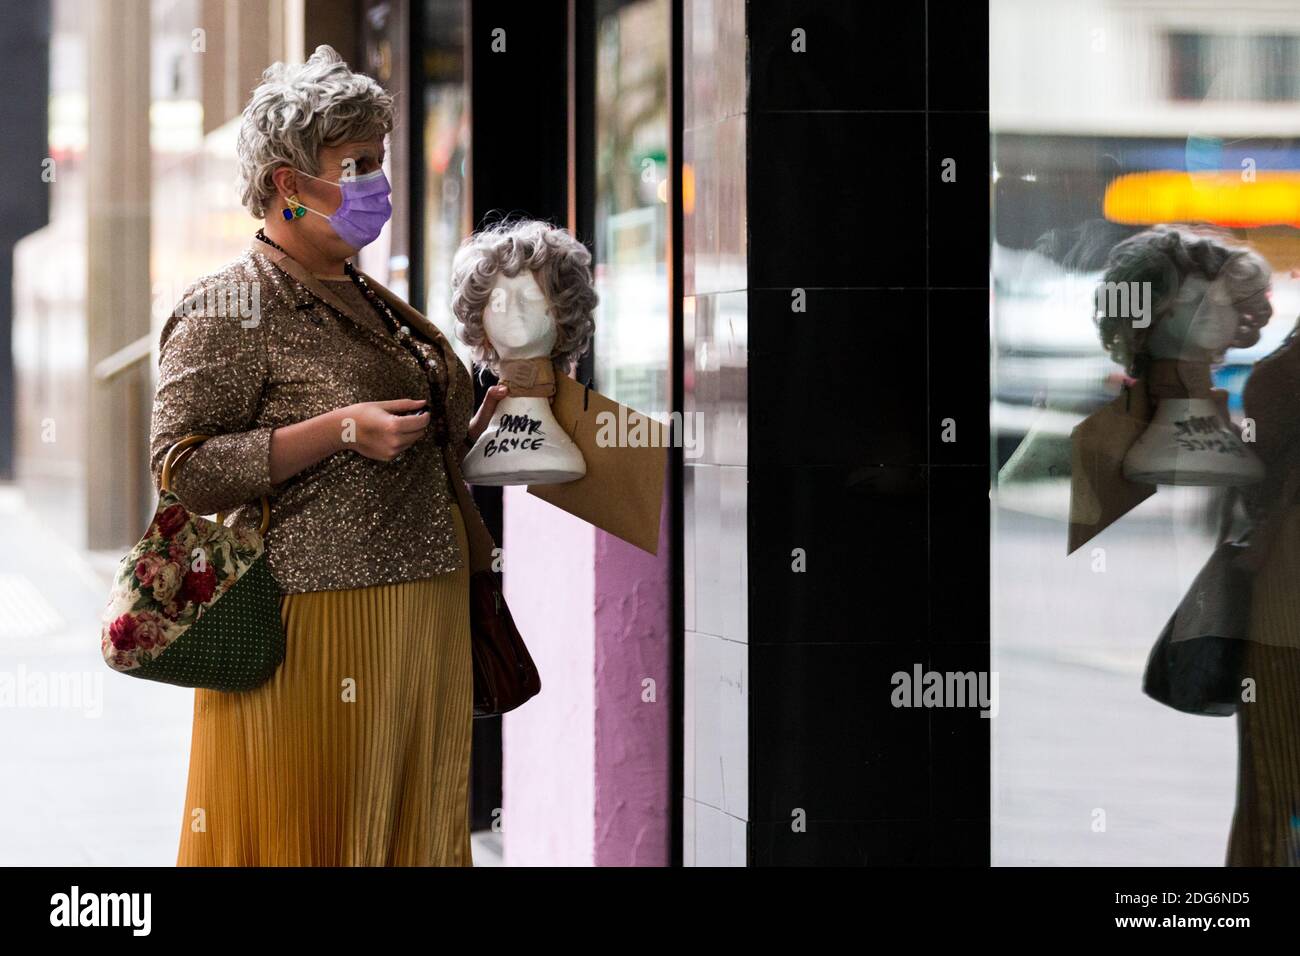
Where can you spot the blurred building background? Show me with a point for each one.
(704, 705)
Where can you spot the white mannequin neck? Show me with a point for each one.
(523, 444)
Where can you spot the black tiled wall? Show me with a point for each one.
(846, 200)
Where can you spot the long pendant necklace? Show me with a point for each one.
(402, 334)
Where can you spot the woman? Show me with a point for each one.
(334, 399)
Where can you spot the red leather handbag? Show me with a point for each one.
(504, 673)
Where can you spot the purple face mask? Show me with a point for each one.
(365, 208)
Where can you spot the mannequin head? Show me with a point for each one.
(515, 320)
(1205, 296)
(523, 289)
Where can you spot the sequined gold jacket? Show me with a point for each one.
(257, 346)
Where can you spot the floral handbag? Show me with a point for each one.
(194, 602)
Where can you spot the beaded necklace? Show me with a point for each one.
(403, 335)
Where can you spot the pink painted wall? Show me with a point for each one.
(633, 721)
(586, 775)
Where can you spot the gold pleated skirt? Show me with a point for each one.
(357, 751)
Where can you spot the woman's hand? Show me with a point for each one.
(382, 430)
(485, 411)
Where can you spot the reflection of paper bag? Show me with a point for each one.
(622, 492)
(1099, 492)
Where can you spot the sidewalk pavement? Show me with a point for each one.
(1087, 770)
(94, 764)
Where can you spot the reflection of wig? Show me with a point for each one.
(1165, 256)
(560, 263)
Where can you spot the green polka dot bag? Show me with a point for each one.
(194, 602)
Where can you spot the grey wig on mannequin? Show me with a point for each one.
(1165, 257)
(560, 263)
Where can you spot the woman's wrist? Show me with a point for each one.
(300, 445)
(332, 426)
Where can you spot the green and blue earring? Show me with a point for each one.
(295, 209)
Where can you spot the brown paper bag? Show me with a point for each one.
(622, 492)
(1099, 492)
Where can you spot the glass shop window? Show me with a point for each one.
(446, 144)
(633, 330)
(1144, 412)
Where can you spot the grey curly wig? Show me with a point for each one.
(295, 111)
(1165, 256)
(561, 265)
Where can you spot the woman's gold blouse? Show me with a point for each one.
(257, 346)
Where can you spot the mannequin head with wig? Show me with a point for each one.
(523, 289)
(1202, 295)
